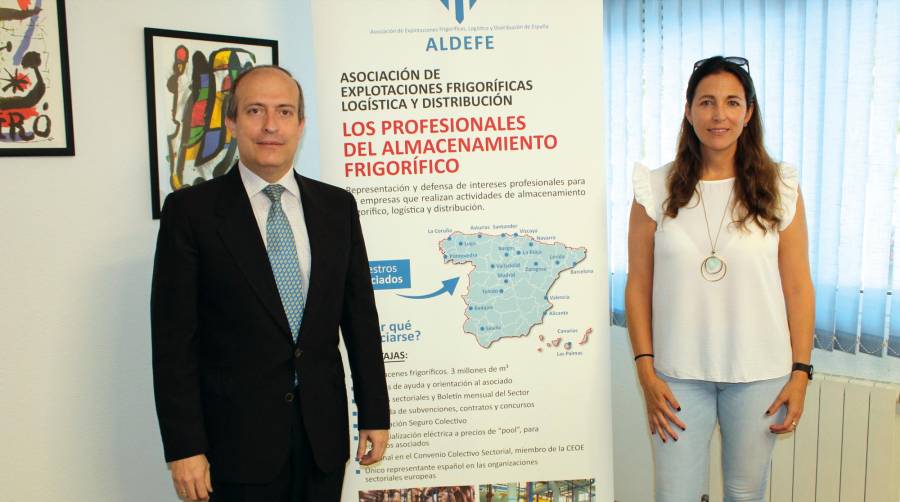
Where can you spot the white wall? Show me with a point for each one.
(632, 451)
(77, 421)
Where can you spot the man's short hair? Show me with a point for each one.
(231, 107)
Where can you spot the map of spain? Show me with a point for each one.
(511, 279)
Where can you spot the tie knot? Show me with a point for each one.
(273, 192)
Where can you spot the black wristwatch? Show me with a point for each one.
(806, 368)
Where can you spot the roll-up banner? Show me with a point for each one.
(470, 133)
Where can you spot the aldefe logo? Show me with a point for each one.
(459, 8)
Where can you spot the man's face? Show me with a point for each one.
(267, 127)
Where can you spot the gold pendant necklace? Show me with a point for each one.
(713, 268)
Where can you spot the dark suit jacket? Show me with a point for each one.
(223, 358)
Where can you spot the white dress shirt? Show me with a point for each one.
(293, 209)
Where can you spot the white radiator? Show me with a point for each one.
(845, 449)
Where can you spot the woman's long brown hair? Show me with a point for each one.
(757, 176)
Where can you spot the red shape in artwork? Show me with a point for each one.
(18, 82)
(26, 113)
(181, 54)
(23, 4)
(22, 81)
(198, 114)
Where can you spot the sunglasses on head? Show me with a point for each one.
(742, 62)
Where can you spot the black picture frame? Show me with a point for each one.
(185, 125)
(35, 92)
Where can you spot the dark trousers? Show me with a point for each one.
(300, 480)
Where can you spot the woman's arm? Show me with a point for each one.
(661, 403)
(639, 287)
(799, 300)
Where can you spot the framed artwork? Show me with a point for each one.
(35, 99)
(189, 78)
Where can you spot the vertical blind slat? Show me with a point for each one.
(712, 32)
(616, 130)
(811, 155)
(652, 60)
(792, 94)
(883, 153)
(875, 255)
(733, 29)
(673, 85)
(854, 94)
(773, 113)
(837, 16)
(754, 46)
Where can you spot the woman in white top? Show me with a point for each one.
(719, 299)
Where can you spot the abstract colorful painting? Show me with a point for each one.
(189, 78)
(35, 104)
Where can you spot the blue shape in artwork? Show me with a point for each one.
(390, 274)
(507, 294)
(449, 286)
(211, 142)
(26, 40)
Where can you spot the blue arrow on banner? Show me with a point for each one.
(449, 286)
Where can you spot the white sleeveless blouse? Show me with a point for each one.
(733, 330)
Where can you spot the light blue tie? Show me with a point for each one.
(283, 257)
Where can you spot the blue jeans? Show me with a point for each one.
(682, 467)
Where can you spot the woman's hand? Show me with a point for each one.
(661, 408)
(792, 395)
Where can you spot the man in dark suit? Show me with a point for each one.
(254, 273)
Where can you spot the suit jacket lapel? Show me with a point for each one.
(240, 232)
(316, 229)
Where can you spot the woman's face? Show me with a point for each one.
(719, 112)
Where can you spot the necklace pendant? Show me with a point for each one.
(713, 268)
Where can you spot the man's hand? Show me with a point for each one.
(379, 440)
(191, 477)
